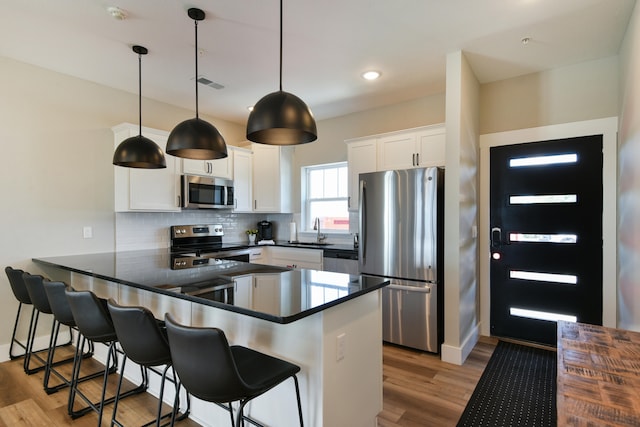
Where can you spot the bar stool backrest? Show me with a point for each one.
(140, 335)
(17, 285)
(58, 302)
(91, 316)
(35, 288)
(203, 361)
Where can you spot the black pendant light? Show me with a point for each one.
(196, 138)
(281, 118)
(138, 151)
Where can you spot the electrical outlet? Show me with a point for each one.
(341, 346)
(87, 232)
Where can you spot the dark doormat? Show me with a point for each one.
(517, 388)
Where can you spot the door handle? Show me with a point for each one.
(496, 237)
(422, 290)
(363, 220)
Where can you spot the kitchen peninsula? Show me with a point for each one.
(327, 323)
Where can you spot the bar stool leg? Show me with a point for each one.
(33, 326)
(14, 340)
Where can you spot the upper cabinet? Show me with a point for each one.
(220, 168)
(415, 148)
(272, 175)
(152, 190)
(242, 180)
(411, 148)
(361, 156)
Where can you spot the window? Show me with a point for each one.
(324, 195)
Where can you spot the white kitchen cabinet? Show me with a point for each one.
(295, 257)
(266, 293)
(242, 180)
(259, 255)
(152, 190)
(432, 143)
(272, 174)
(243, 291)
(397, 151)
(220, 168)
(420, 147)
(361, 156)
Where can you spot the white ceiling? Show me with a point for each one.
(327, 45)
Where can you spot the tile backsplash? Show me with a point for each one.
(150, 230)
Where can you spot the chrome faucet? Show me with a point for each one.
(316, 226)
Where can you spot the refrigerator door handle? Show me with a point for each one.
(363, 220)
(425, 290)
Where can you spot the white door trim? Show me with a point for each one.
(608, 127)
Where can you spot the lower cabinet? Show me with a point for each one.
(243, 291)
(258, 255)
(295, 257)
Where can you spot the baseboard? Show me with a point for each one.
(457, 355)
(40, 343)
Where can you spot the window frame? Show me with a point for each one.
(305, 222)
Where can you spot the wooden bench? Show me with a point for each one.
(598, 376)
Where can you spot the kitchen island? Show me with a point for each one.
(327, 323)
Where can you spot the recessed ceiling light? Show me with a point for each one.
(117, 13)
(370, 75)
(525, 40)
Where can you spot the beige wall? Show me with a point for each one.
(461, 196)
(629, 178)
(57, 174)
(584, 91)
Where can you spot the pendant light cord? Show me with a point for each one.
(196, 22)
(280, 45)
(140, 94)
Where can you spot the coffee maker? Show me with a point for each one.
(265, 230)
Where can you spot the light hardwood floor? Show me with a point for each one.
(418, 390)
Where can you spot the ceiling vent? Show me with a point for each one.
(205, 81)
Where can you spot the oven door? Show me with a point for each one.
(203, 192)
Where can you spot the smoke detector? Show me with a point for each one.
(117, 13)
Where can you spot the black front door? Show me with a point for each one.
(546, 236)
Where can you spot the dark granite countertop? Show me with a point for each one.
(275, 294)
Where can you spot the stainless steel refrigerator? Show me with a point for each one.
(401, 230)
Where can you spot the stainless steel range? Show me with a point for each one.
(201, 245)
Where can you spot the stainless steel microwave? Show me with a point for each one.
(204, 192)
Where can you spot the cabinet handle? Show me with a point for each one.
(235, 203)
(349, 202)
(417, 159)
(179, 203)
(413, 159)
(255, 204)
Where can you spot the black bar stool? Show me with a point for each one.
(213, 371)
(94, 323)
(62, 313)
(35, 288)
(22, 295)
(144, 340)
